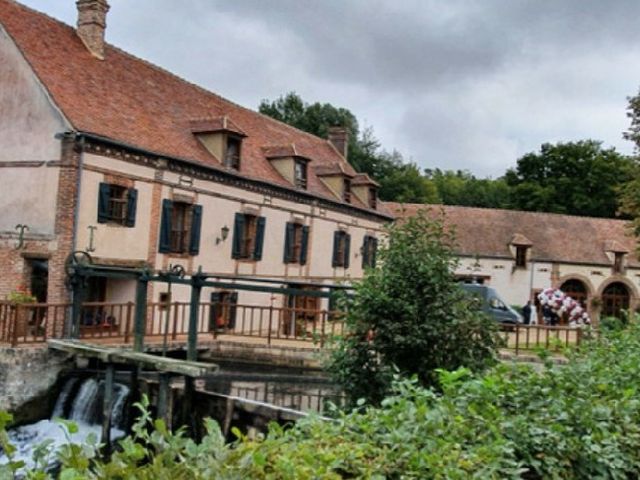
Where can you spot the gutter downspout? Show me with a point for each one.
(76, 215)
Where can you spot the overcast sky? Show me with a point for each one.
(454, 84)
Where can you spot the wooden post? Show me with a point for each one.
(141, 314)
(192, 339)
(127, 325)
(76, 307)
(164, 398)
(107, 405)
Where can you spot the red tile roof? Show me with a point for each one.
(134, 102)
(553, 237)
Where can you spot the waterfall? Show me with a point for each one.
(61, 402)
(85, 409)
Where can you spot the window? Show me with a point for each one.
(296, 242)
(618, 262)
(373, 198)
(300, 311)
(232, 153)
(223, 310)
(248, 236)
(117, 204)
(521, 256)
(180, 228)
(300, 174)
(369, 249)
(346, 193)
(341, 247)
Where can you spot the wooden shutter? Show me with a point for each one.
(335, 262)
(132, 204)
(374, 253)
(104, 194)
(165, 227)
(304, 245)
(238, 236)
(289, 240)
(365, 251)
(347, 248)
(196, 225)
(257, 252)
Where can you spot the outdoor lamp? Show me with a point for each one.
(224, 233)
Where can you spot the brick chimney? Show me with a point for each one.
(92, 22)
(339, 137)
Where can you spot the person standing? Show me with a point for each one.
(526, 312)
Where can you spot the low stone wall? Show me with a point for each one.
(27, 377)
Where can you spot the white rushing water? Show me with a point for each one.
(84, 410)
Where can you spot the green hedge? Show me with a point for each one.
(581, 420)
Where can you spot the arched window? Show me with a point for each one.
(577, 290)
(615, 298)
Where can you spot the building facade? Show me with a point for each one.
(104, 153)
(594, 260)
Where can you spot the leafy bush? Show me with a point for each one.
(578, 421)
(409, 314)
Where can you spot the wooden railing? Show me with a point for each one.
(551, 338)
(36, 322)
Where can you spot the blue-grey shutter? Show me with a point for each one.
(336, 241)
(238, 235)
(165, 227)
(132, 205)
(257, 252)
(104, 193)
(233, 308)
(375, 251)
(196, 226)
(347, 249)
(304, 246)
(289, 233)
(365, 251)
(214, 310)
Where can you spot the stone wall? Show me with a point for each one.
(27, 376)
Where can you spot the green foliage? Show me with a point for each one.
(576, 178)
(409, 314)
(462, 188)
(577, 421)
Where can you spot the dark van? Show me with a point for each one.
(492, 304)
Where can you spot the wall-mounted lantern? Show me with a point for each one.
(224, 233)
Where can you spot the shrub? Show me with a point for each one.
(410, 315)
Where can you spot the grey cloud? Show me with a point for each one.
(450, 83)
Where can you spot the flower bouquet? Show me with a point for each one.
(560, 303)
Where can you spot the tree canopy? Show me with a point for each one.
(410, 314)
(577, 178)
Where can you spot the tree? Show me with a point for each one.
(462, 188)
(399, 180)
(409, 314)
(576, 178)
(633, 112)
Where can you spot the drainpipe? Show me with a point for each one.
(76, 215)
(533, 268)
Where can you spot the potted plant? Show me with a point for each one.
(21, 296)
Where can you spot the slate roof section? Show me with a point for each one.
(553, 237)
(127, 99)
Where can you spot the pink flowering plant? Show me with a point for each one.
(560, 303)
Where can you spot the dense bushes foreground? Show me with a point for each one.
(576, 421)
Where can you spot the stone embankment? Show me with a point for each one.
(27, 375)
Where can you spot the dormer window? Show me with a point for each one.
(373, 198)
(520, 246)
(232, 152)
(618, 262)
(346, 191)
(521, 256)
(300, 173)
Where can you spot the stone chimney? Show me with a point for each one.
(339, 137)
(92, 22)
